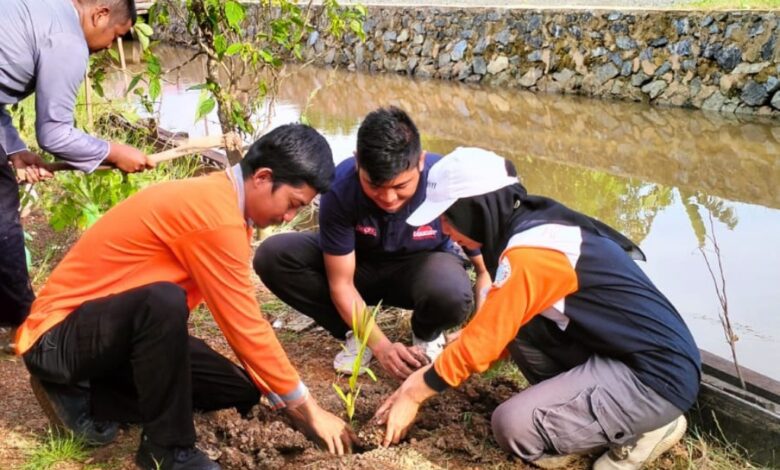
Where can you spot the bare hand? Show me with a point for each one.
(30, 167)
(399, 360)
(128, 159)
(399, 411)
(323, 426)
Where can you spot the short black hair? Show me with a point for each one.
(388, 144)
(121, 10)
(296, 154)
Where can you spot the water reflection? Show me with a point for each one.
(655, 174)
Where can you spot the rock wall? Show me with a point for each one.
(722, 61)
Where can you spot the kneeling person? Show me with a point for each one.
(365, 252)
(107, 338)
(611, 362)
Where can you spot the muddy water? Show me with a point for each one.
(671, 179)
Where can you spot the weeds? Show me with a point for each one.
(54, 449)
(362, 324)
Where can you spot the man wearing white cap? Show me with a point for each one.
(611, 362)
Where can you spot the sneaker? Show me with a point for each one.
(345, 359)
(432, 348)
(150, 456)
(647, 448)
(67, 407)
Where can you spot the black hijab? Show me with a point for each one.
(491, 219)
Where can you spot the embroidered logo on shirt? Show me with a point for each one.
(503, 272)
(365, 230)
(424, 233)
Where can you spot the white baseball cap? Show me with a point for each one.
(466, 172)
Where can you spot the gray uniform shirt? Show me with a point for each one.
(43, 50)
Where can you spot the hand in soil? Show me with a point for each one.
(399, 411)
(399, 360)
(322, 426)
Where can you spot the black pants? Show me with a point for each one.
(141, 363)
(16, 294)
(433, 284)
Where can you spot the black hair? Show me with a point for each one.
(388, 144)
(121, 10)
(296, 154)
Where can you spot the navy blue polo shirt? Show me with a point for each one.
(350, 221)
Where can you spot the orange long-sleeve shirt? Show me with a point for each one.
(532, 280)
(189, 232)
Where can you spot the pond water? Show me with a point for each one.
(658, 175)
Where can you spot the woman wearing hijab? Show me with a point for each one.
(610, 361)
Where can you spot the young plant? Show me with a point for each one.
(362, 324)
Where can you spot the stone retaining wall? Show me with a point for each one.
(724, 61)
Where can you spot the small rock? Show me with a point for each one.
(479, 65)
(750, 69)
(606, 72)
(497, 65)
(714, 102)
(444, 59)
(682, 48)
(556, 31)
(654, 88)
(598, 52)
(563, 76)
(682, 26)
(535, 56)
(729, 57)
(626, 69)
(706, 21)
(711, 50)
(727, 82)
(754, 94)
(330, 56)
(418, 39)
(756, 30)
(772, 84)
(659, 42)
(482, 44)
(640, 78)
(665, 67)
(503, 37)
(458, 50)
(768, 49)
(730, 30)
(389, 36)
(531, 77)
(776, 100)
(689, 65)
(625, 43)
(403, 37)
(648, 67)
(614, 16)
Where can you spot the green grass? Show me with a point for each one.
(56, 448)
(735, 4)
(505, 368)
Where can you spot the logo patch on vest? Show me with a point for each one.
(366, 230)
(503, 272)
(425, 232)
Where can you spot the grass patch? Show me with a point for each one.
(505, 368)
(56, 448)
(706, 451)
(735, 4)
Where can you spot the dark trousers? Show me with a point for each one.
(141, 363)
(16, 294)
(434, 285)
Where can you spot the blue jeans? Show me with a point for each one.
(16, 294)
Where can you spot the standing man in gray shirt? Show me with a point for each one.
(44, 49)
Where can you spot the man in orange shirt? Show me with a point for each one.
(107, 338)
